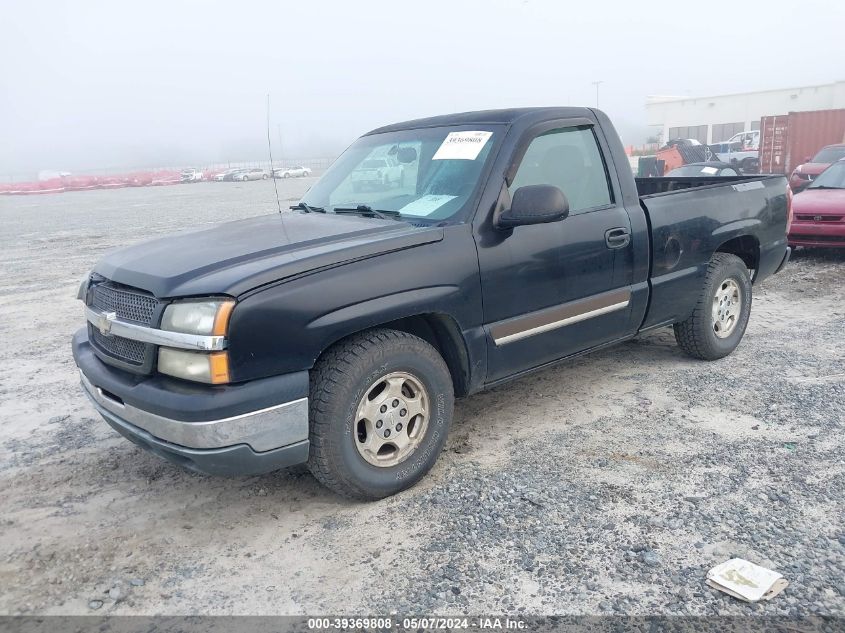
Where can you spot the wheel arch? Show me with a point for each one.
(746, 247)
(438, 329)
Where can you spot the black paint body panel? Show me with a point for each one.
(304, 281)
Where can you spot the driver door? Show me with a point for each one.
(552, 290)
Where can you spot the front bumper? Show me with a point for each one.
(251, 428)
(825, 234)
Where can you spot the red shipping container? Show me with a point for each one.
(787, 140)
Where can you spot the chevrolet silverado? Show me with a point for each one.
(339, 333)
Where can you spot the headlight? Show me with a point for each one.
(206, 317)
(210, 368)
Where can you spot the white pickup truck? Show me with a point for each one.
(732, 152)
(378, 173)
(191, 175)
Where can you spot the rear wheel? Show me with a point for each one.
(380, 409)
(721, 314)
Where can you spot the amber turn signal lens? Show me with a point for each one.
(219, 367)
(221, 319)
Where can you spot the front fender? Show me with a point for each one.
(379, 310)
(286, 327)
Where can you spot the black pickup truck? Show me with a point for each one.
(338, 334)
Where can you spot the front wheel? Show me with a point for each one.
(380, 409)
(721, 314)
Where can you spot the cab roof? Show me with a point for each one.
(506, 116)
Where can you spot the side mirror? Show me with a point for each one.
(534, 204)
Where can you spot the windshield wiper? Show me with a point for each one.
(823, 187)
(367, 211)
(301, 206)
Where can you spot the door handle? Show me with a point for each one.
(619, 237)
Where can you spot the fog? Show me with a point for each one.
(87, 85)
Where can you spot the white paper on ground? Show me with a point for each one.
(745, 580)
(425, 205)
(462, 146)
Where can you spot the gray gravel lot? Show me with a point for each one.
(609, 484)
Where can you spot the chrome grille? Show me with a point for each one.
(124, 349)
(127, 303)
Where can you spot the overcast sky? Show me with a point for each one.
(147, 82)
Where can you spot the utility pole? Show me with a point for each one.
(597, 84)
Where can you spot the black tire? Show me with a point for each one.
(264, 176)
(338, 383)
(696, 335)
(750, 165)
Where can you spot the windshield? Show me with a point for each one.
(829, 155)
(425, 175)
(832, 178)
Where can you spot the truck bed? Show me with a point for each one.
(690, 218)
(652, 186)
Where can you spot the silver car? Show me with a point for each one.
(251, 174)
(291, 172)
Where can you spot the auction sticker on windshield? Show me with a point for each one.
(462, 146)
(426, 205)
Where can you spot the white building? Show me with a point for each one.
(716, 119)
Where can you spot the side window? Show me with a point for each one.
(570, 160)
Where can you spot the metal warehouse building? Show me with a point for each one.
(716, 119)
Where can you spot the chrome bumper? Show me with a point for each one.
(262, 430)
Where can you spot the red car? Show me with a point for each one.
(819, 210)
(804, 174)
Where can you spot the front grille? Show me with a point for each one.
(124, 349)
(818, 218)
(127, 303)
(833, 239)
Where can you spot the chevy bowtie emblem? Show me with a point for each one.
(104, 321)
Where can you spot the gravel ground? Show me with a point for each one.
(610, 484)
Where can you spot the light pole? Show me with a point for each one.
(597, 84)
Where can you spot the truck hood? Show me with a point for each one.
(235, 257)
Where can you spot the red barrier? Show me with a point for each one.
(86, 183)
